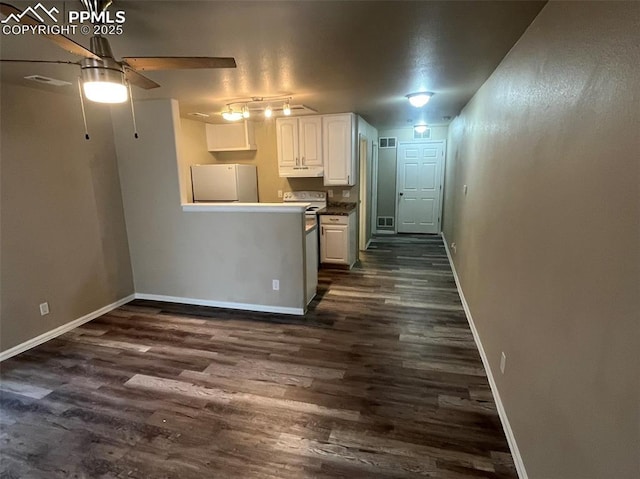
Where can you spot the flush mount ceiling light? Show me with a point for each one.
(420, 127)
(419, 99)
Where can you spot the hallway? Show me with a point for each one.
(381, 379)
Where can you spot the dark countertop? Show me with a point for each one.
(340, 209)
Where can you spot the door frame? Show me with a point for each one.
(363, 202)
(374, 187)
(444, 165)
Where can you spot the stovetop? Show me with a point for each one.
(316, 199)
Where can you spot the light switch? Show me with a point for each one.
(346, 193)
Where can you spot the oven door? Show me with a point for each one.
(310, 220)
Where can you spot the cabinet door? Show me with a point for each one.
(334, 244)
(310, 130)
(287, 140)
(337, 149)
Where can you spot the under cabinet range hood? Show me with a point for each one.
(301, 171)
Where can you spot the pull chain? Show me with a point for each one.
(84, 115)
(133, 113)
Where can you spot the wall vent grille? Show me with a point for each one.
(387, 142)
(385, 221)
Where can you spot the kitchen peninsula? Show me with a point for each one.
(250, 256)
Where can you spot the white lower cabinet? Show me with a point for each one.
(338, 239)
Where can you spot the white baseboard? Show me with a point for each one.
(222, 304)
(513, 446)
(31, 343)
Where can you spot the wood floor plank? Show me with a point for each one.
(380, 379)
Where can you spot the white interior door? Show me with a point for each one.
(419, 183)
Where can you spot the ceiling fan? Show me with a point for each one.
(103, 78)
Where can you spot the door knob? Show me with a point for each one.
(401, 194)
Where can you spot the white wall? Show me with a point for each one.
(548, 237)
(220, 257)
(63, 231)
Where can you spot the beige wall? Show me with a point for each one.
(223, 257)
(63, 232)
(387, 167)
(548, 237)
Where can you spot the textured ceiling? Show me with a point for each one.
(334, 56)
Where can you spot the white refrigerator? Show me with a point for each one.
(225, 183)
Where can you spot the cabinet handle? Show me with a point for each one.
(333, 219)
(322, 230)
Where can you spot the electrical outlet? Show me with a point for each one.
(276, 285)
(465, 190)
(330, 192)
(44, 309)
(503, 362)
(454, 248)
(346, 193)
(279, 193)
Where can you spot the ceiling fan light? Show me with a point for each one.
(268, 112)
(105, 92)
(286, 109)
(419, 99)
(420, 128)
(103, 84)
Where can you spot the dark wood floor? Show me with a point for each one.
(381, 380)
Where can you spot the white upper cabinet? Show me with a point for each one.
(230, 136)
(310, 134)
(299, 142)
(287, 139)
(339, 146)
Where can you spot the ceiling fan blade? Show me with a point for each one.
(178, 63)
(59, 39)
(139, 80)
(39, 61)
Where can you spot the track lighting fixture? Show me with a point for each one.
(231, 115)
(263, 106)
